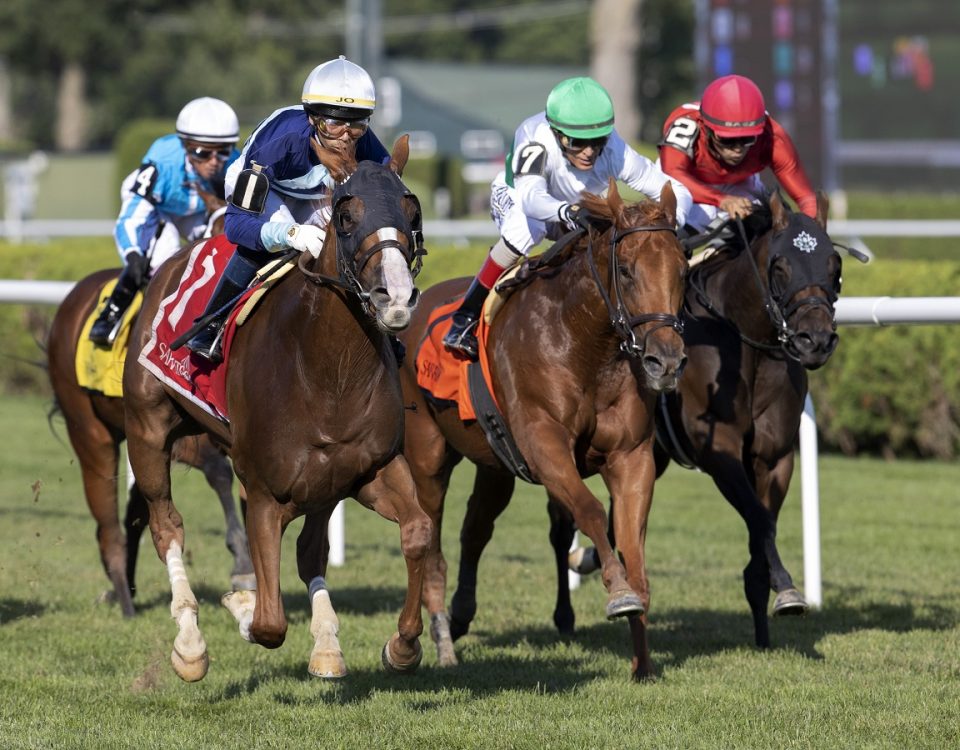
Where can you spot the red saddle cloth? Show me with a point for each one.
(440, 373)
(191, 376)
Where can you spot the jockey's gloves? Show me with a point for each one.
(306, 238)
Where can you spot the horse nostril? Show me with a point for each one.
(681, 366)
(380, 297)
(832, 341)
(414, 298)
(653, 366)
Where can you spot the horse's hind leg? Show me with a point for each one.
(491, 494)
(97, 452)
(772, 488)
(562, 530)
(137, 519)
(146, 445)
(393, 494)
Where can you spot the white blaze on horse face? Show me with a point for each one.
(398, 282)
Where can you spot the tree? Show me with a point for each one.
(615, 36)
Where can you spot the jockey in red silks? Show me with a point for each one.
(718, 146)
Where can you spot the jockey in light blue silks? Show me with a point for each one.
(161, 201)
(278, 192)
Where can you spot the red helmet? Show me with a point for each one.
(733, 107)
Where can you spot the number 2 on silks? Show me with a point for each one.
(531, 158)
(145, 180)
(681, 133)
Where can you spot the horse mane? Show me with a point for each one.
(634, 214)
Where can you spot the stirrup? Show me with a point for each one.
(105, 328)
(207, 343)
(461, 339)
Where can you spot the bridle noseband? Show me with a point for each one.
(624, 323)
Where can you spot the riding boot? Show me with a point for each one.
(107, 325)
(461, 337)
(238, 274)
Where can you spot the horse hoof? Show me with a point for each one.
(789, 602)
(328, 665)
(191, 669)
(584, 560)
(623, 604)
(396, 667)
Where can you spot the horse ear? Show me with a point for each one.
(401, 152)
(823, 209)
(340, 165)
(779, 212)
(614, 200)
(668, 202)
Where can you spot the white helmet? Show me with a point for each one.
(208, 120)
(339, 89)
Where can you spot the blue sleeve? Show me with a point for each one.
(243, 227)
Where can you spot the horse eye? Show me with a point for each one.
(625, 273)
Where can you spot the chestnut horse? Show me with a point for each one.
(95, 428)
(758, 314)
(316, 415)
(577, 354)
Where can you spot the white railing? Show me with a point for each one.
(42, 229)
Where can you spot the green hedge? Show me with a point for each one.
(893, 390)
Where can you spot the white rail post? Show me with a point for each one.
(810, 504)
(335, 535)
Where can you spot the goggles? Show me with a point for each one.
(334, 128)
(579, 144)
(202, 154)
(734, 143)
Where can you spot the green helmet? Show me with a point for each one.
(580, 108)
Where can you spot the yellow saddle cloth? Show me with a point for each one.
(99, 368)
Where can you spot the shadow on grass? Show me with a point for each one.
(17, 609)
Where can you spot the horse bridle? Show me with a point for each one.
(624, 323)
(778, 314)
(350, 267)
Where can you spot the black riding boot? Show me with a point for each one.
(236, 278)
(461, 337)
(107, 326)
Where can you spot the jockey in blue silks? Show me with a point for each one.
(278, 192)
(161, 200)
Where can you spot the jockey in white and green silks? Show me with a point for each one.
(557, 154)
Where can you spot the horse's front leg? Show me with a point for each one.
(629, 476)
(266, 520)
(562, 531)
(393, 495)
(730, 477)
(772, 485)
(313, 551)
(151, 465)
(551, 458)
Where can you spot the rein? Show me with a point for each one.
(773, 307)
(624, 323)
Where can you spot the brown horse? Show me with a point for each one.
(759, 313)
(567, 352)
(316, 415)
(95, 428)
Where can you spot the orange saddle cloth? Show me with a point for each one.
(441, 374)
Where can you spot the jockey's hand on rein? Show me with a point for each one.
(736, 206)
(306, 238)
(574, 216)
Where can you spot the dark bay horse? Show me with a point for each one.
(316, 415)
(756, 319)
(95, 428)
(576, 357)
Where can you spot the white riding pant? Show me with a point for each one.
(517, 229)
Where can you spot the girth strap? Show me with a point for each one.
(490, 419)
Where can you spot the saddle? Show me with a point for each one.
(98, 368)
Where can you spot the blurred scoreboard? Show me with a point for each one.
(785, 46)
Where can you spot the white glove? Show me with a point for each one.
(306, 238)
